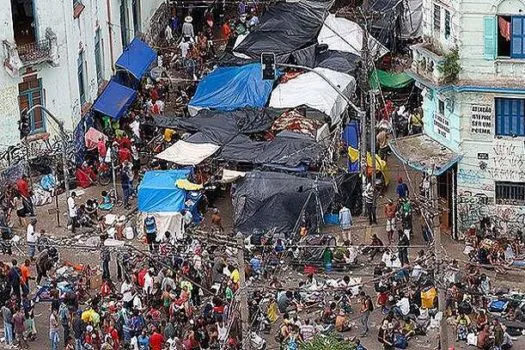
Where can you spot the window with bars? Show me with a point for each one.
(437, 18)
(30, 94)
(81, 78)
(99, 56)
(447, 24)
(510, 193)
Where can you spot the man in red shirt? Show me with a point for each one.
(156, 340)
(22, 186)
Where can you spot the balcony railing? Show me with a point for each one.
(36, 52)
(427, 62)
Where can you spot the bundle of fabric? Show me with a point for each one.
(295, 122)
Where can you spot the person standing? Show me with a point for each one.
(187, 28)
(345, 221)
(366, 309)
(390, 213)
(14, 276)
(22, 185)
(72, 209)
(54, 337)
(126, 186)
(79, 327)
(7, 317)
(26, 276)
(370, 204)
(216, 220)
(31, 238)
(105, 256)
(102, 150)
(65, 319)
(19, 327)
(402, 188)
(150, 227)
(404, 242)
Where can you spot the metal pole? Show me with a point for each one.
(63, 136)
(443, 330)
(373, 135)
(113, 175)
(362, 157)
(58, 210)
(245, 316)
(364, 130)
(454, 204)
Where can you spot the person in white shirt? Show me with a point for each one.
(148, 282)
(32, 238)
(184, 47)
(72, 210)
(137, 303)
(402, 307)
(187, 27)
(126, 289)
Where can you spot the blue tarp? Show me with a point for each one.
(136, 58)
(114, 100)
(351, 139)
(229, 88)
(158, 192)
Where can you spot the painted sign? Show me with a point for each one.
(481, 119)
(441, 125)
(483, 156)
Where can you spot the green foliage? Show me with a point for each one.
(450, 67)
(329, 342)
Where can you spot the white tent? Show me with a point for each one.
(313, 91)
(341, 34)
(185, 153)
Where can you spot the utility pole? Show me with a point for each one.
(63, 137)
(372, 97)
(245, 316)
(362, 119)
(438, 273)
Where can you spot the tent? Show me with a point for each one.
(261, 195)
(350, 138)
(114, 100)
(185, 153)
(341, 34)
(389, 80)
(284, 28)
(412, 20)
(339, 61)
(229, 88)
(158, 191)
(136, 58)
(312, 90)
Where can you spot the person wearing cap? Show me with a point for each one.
(187, 27)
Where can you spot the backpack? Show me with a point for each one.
(400, 341)
(370, 305)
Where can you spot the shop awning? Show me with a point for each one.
(114, 100)
(389, 80)
(423, 153)
(136, 58)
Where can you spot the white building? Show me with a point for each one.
(480, 115)
(59, 53)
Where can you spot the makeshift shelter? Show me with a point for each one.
(284, 28)
(114, 100)
(412, 20)
(91, 138)
(341, 34)
(391, 80)
(350, 137)
(159, 195)
(343, 62)
(185, 153)
(386, 25)
(229, 88)
(312, 90)
(136, 58)
(282, 197)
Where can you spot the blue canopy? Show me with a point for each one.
(136, 58)
(229, 88)
(351, 139)
(114, 100)
(158, 192)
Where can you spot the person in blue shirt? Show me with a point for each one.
(143, 341)
(255, 263)
(402, 188)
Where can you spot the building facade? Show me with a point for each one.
(471, 69)
(59, 54)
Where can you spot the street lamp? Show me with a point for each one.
(63, 137)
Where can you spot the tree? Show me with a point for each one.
(327, 342)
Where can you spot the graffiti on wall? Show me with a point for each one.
(470, 176)
(9, 114)
(508, 162)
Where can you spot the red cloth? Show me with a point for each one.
(226, 31)
(85, 177)
(504, 28)
(140, 277)
(154, 95)
(101, 147)
(23, 188)
(124, 142)
(124, 154)
(155, 341)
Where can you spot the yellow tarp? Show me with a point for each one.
(184, 184)
(381, 166)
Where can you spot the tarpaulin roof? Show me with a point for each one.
(312, 90)
(339, 61)
(185, 153)
(114, 100)
(229, 88)
(284, 28)
(136, 58)
(158, 191)
(262, 195)
(390, 80)
(341, 34)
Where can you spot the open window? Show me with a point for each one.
(23, 21)
(504, 36)
(511, 36)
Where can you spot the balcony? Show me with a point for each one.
(427, 64)
(30, 54)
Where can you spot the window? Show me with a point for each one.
(78, 7)
(510, 193)
(510, 117)
(99, 57)
(447, 24)
(81, 78)
(437, 19)
(29, 95)
(135, 8)
(441, 107)
(510, 37)
(124, 24)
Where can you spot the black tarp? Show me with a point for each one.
(343, 62)
(386, 28)
(229, 130)
(285, 28)
(265, 201)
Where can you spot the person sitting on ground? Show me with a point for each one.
(342, 323)
(409, 328)
(462, 326)
(481, 320)
(484, 341)
(106, 202)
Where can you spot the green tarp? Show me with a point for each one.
(389, 80)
